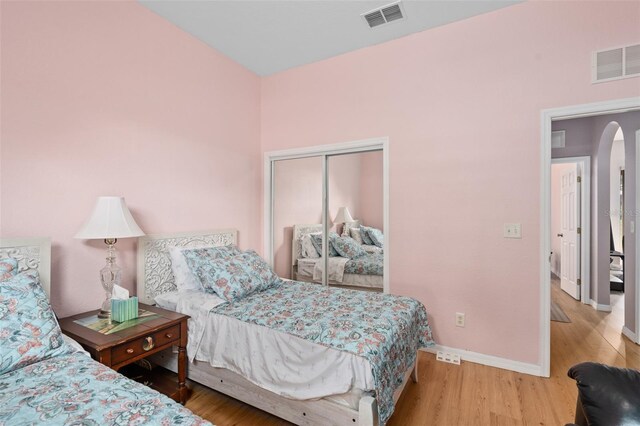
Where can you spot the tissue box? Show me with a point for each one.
(124, 310)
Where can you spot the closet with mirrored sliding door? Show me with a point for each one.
(326, 214)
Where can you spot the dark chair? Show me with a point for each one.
(607, 396)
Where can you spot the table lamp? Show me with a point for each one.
(343, 217)
(110, 220)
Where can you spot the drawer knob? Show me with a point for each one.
(129, 351)
(148, 343)
(168, 335)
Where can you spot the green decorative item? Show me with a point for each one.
(124, 310)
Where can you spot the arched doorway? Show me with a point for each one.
(609, 232)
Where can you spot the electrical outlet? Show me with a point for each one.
(459, 319)
(512, 230)
(449, 357)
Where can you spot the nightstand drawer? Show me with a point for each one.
(125, 351)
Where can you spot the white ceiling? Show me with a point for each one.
(268, 36)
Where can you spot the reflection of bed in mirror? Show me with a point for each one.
(365, 272)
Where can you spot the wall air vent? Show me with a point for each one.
(558, 139)
(384, 15)
(617, 63)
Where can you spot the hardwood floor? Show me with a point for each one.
(473, 394)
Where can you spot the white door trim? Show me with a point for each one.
(547, 116)
(637, 209)
(585, 219)
(374, 144)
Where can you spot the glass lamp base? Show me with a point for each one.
(110, 275)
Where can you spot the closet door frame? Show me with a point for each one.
(325, 151)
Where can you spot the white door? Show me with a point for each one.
(570, 231)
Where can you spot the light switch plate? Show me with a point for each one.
(512, 230)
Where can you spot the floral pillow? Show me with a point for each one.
(211, 253)
(316, 239)
(259, 269)
(366, 239)
(375, 235)
(348, 247)
(233, 278)
(183, 277)
(28, 328)
(8, 268)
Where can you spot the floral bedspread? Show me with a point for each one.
(75, 390)
(369, 264)
(386, 330)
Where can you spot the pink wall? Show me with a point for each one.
(106, 98)
(344, 185)
(461, 105)
(371, 211)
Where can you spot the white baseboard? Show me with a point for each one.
(630, 334)
(490, 360)
(600, 307)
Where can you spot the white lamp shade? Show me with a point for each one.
(110, 219)
(343, 216)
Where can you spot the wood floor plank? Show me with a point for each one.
(473, 394)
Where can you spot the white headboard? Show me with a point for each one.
(154, 264)
(299, 231)
(32, 254)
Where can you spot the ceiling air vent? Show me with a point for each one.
(384, 15)
(614, 64)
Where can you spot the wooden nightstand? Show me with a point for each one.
(133, 340)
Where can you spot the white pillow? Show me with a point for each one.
(306, 247)
(184, 279)
(167, 300)
(356, 234)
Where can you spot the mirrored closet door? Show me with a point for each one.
(297, 209)
(355, 207)
(332, 198)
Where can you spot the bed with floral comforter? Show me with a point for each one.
(43, 380)
(385, 329)
(369, 264)
(75, 390)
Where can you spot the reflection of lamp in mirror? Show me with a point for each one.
(343, 217)
(110, 220)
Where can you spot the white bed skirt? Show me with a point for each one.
(354, 280)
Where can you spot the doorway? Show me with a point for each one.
(632, 319)
(570, 230)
